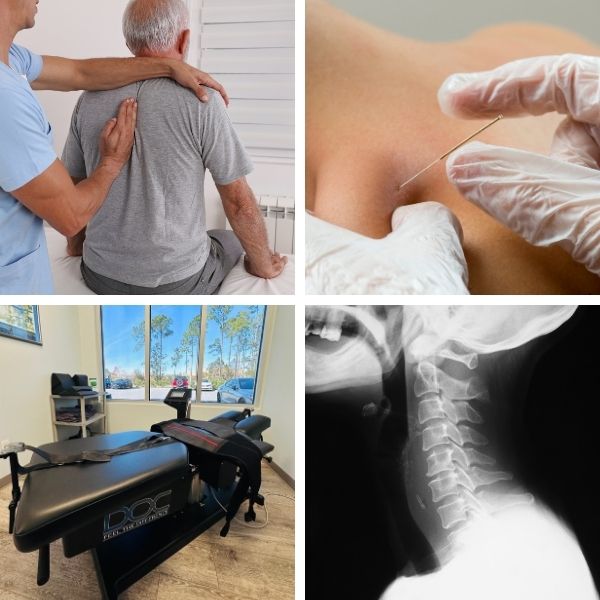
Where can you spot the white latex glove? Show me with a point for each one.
(422, 255)
(546, 199)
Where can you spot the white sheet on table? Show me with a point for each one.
(68, 279)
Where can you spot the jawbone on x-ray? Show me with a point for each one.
(350, 344)
(466, 525)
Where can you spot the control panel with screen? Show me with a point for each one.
(181, 400)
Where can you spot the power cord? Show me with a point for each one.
(266, 521)
(236, 518)
(281, 496)
(212, 493)
(256, 525)
(260, 525)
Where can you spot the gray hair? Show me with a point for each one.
(154, 25)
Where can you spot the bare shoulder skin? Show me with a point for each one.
(373, 121)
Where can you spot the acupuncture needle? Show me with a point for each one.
(443, 156)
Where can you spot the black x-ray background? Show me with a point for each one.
(351, 548)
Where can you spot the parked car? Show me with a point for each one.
(180, 381)
(239, 390)
(107, 383)
(122, 384)
(207, 386)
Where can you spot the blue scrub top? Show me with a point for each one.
(25, 152)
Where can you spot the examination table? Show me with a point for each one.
(147, 499)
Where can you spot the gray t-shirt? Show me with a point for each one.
(151, 230)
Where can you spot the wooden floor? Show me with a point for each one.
(249, 564)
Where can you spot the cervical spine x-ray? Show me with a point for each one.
(434, 439)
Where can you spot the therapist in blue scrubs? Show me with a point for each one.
(34, 185)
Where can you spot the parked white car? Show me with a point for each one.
(237, 391)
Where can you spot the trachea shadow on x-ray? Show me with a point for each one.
(427, 425)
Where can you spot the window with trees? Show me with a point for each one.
(174, 343)
(232, 351)
(124, 373)
(148, 350)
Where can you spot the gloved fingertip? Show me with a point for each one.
(443, 217)
(454, 165)
(430, 211)
(445, 96)
(469, 154)
(404, 213)
(398, 217)
(453, 93)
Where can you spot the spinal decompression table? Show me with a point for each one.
(135, 498)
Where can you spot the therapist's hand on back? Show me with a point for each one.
(68, 208)
(117, 136)
(194, 79)
(548, 200)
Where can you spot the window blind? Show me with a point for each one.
(248, 45)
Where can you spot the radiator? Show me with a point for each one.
(279, 214)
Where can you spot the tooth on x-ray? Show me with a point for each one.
(371, 348)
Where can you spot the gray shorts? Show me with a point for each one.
(225, 251)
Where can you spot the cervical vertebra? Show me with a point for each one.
(432, 379)
(461, 476)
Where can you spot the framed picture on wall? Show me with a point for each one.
(21, 322)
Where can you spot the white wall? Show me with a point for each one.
(89, 336)
(440, 20)
(25, 371)
(278, 391)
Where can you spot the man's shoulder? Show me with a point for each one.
(165, 91)
(161, 91)
(215, 100)
(171, 92)
(106, 95)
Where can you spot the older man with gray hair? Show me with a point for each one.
(150, 235)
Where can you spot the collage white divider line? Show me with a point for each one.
(300, 298)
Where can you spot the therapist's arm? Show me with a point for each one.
(75, 242)
(65, 74)
(67, 207)
(248, 225)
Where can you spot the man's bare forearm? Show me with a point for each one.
(95, 74)
(248, 224)
(68, 208)
(90, 195)
(75, 243)
(65, 74)
(108, 73)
